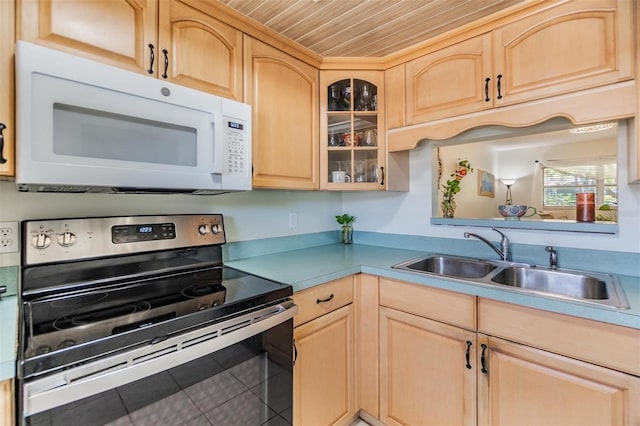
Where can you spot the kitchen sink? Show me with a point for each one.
(600, 288)
(567, 284)
(450, 266)
(571, 285)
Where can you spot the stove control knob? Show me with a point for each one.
(41, 241)
(203, 229)
(215, 229)
(67, 239)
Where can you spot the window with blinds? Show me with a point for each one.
(560, 184)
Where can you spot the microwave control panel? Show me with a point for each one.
(237, 150)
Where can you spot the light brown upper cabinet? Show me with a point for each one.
(168, 39)
(569, 47)
(283, 92)
(573, 46)
(634, 157)
(352, 130)
(7, 41)
(451, 81)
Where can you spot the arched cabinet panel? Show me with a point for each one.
(283, 92)
(203, 53)
(574, 46)
(114, 31)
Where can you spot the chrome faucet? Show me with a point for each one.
(553, 257)
(503, 251)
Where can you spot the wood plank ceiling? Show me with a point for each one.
(364, 28)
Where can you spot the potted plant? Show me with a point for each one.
(448, 205)
(346, 231)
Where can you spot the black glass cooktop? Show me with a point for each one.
(111, 313)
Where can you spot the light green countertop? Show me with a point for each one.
(8, 336)
(305, 268)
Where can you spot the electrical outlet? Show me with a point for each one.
(293, 220)
(9, 237)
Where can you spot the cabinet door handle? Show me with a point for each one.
(152, 59)
(328, 299)
(295, 352)
(166, 63)
(468, 354)
(2, 159)
(483, 360)
(486, 89)
(499, 86)
(382, 175)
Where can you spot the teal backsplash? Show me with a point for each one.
(244, 249)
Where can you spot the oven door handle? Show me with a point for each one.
(108, 373)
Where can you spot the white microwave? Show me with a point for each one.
(83, 126)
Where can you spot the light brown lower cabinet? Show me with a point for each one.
(7, 412)
(445, 358)
(528, 386)
(427, 379)
(426, 376)
(324, 370)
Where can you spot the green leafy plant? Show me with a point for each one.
(345, 219)
(452, 187)
(607, 215)
(346, 231)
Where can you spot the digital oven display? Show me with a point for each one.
(121, 234)
(237, 126)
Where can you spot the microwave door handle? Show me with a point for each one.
(219, 144)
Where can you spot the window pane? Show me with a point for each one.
(610, 174)
(560, 184)
(585, 175)
(611, 195)
(563, 196)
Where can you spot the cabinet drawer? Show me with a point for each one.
(608, 345)
(440, 305)
(317, 301)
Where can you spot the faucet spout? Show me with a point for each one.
(553, 257)
(503, 251)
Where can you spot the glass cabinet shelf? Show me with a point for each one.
(353, 155)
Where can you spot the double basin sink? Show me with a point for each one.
(587, 287)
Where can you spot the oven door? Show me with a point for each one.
(236, 372)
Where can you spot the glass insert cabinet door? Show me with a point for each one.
(352, 131)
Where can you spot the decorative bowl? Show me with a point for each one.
(515, 211)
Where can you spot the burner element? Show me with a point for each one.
(82, 300)
(70, 321)
(202, 290)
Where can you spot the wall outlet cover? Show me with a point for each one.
(9, 237)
